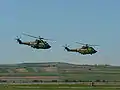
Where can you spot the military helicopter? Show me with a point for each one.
(39, 43)
(85, 49)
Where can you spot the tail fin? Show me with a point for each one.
(19, 41)
(67, 48)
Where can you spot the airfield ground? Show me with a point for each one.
(58, 87)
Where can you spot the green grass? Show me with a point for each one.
(57, 87)
(29, 74)
(90, 76)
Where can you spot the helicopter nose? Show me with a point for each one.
(95, 51)
(49, 46)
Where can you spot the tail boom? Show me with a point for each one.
(20, 42)
(71, 50)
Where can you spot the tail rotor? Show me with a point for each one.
(65, 46)
(18, 39)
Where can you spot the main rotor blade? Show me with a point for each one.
(86, 44)
(80, 43)
(37, 37)
(48, 39)
(29, 35)
(93, 45)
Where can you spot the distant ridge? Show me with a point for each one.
(35, 63)
(51, 63)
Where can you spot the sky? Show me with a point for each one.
(65, 21)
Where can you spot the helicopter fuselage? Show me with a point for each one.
(37, 44)
(43, 45)
(88, 50)
(84, 51)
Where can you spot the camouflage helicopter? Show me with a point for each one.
(85, 49)
(39, 43)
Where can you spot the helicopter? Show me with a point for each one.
(85, 49)
(39, 43)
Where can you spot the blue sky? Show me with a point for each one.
(66, 21)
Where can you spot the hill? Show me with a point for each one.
(61, 71)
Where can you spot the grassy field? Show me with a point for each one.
(58, 87)
(106, 77)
